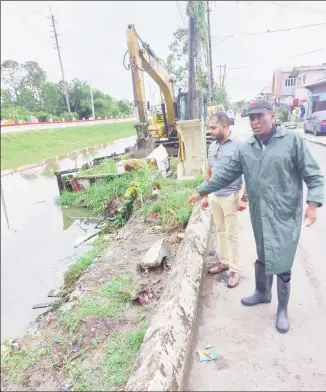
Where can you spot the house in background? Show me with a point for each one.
(306, 75)
(283, 87)
(316, 93)
(266, 93)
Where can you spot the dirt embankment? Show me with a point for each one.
(92, 341)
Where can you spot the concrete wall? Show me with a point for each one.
(286, 90)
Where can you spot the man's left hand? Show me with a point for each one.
(310, 216)
(242, 205)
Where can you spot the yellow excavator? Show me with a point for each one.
(163, 128)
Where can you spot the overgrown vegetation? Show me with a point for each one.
(21, 148)
(167, 201)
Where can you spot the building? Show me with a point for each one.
(283, 87)
(266, 93)
(316, 96)
(306, 75)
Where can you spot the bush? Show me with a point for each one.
(43, 116)
(17, 113)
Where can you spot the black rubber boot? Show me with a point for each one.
(263, 292)
(283, 293)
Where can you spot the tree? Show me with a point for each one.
(34, 76)
(50, 98)
(12, 77)
(28, 99)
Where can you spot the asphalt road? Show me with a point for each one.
(252, 354)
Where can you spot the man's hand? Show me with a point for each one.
(310, 215)
(242, 205)
(193, 199)
(204, 203)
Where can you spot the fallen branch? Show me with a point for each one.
(88, 238)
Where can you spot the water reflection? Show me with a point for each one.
(37, 236)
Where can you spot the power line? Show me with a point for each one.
(296, 8)
(288, 58)
(270, 31)
(184, 24)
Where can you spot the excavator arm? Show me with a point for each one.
(143, 59)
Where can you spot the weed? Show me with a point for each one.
(15, 363)
(107, 166)
(74, 271)
(21, 148)
(120, 357)
(109, 301)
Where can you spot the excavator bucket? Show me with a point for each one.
(193, 147)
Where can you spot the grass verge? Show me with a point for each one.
(73, 331)
(22, 148)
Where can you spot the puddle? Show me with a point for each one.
(39, 243)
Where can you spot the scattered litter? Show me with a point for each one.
(156, 281)
(75, 349)
(41, 306)
(144, 297)
(208, 354)
(212, 253)
(181, 236)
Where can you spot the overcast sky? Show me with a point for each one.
(93, 38)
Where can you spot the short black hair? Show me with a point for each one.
(221, 118)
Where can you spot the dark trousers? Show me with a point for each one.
(285, 276)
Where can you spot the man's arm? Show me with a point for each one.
(208, 173)
(310, 172)
(222, 178)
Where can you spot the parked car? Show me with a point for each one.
(231, 114)
(316, 124)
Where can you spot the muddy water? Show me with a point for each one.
(38, 245)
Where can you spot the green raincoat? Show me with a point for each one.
(274, 180)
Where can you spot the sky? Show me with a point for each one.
(92, 35)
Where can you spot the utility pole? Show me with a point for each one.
(220, 76)
(191, 62)
(224, 74)
(60, 60)
(92, 100)
(209, 58)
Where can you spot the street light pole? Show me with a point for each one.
(92, 100)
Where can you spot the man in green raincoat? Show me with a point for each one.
(274, 162)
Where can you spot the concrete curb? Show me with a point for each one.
(162, 358)
(315, 142)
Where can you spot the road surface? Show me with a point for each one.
(252, 354)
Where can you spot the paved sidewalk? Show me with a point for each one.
(253, 355)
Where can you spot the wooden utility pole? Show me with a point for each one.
(60, 60)
(209, 58)
(191, 62)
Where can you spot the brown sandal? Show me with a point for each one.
(233, 280)
(218, 268)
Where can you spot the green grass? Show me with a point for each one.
(15, 363)
(108, 166)
(22, 148)
(109, 301)
(94, 197)
(121, 354)
(169, 204)
(75, 269)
